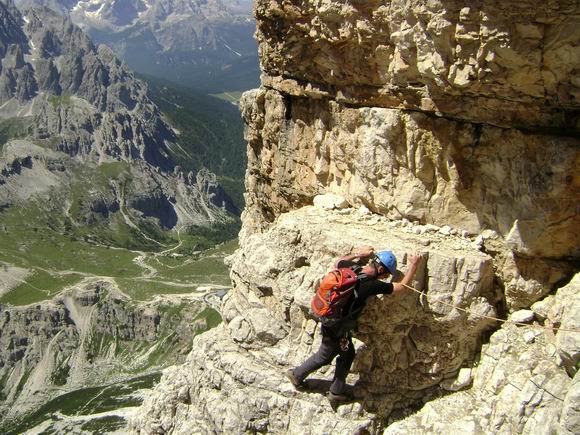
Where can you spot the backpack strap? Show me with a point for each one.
(360, 278)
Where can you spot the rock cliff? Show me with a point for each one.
(415, 126)
(209, 39)
(62, 93)
(87, 335)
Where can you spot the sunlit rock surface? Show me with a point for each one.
(89, 334)
(414, 126)
(411, 341)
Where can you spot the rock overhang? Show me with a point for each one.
(506, 65)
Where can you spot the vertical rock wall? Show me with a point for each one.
(498, 145)
(415, 126)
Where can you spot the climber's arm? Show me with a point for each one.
(360, 253)
(414, 260)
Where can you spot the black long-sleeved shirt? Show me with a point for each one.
(366, 287)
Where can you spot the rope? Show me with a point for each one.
(465, 310)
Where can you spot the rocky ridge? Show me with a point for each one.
(77, 91)
(177, 25)
(207, 37)
(413, 126)
(411, 348)
(68, 96)
(88, 334)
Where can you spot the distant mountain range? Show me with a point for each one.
(205, 44)
(82, 140)
(104, 196)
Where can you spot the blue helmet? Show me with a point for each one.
(387, 259)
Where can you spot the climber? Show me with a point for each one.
(336, 336)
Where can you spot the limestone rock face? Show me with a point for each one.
(492, 62)
(89, 334)
(561, 310)
(520, 385)
(414, 126)
(412, 165)
(268, 327)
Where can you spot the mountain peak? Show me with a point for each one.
(199, 42)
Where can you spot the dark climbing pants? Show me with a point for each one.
(329, 348)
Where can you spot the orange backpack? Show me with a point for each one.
(333, 292)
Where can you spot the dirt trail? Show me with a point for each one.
(140, 261)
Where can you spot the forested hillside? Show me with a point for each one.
(210, 133)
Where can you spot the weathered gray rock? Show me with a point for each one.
(416, 113)
(67, 95)
(561, 312)
(83, 94)
(89, 334)
(330, 202)
(529, 279)
(518, 387)
(491, 62)
(409, 343)
(570, 418)
(522, 316)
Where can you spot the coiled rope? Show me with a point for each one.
(465, 310)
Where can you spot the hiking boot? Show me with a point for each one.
(340, 397)
(293, 379)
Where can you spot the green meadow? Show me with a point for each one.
(56, 259)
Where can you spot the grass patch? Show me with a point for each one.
(114, 170)
(211, 317)
(23, 380)
(30, 243)
(104, 425)
(199, 238)
(50, 143)
(15, 128)
(40, 286)
(172, 311)
(115, 232)
(60, 375)
(98, 344)
(145, 289)
(207, 267)
(56, 252)
(163, 350)
(61, 250)
(60, 100)
(86, 401)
